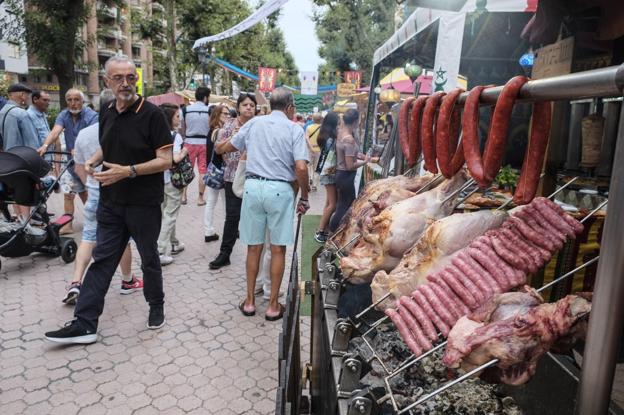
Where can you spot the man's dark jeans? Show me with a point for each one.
(232, 217)
(116, 224)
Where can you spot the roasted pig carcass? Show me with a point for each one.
(375, 197)
(396, 229)
(434, 251)
(517, 329)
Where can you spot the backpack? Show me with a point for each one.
(2, 129)
(182, 173)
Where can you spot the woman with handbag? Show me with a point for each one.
(220, 114)
(326, 168)
(173, 189)
(246, 109)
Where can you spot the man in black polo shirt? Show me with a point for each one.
(135, 149)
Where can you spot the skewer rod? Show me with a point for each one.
(456, 192)
(566, 275)
(556, 192)
(429, 183)
(375, 304)
(590, 214)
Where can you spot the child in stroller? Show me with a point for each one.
(23, 182)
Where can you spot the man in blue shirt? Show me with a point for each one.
(15, 125)
(70, 121)
(277, 155)
(39, 117)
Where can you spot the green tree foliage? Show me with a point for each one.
(349, 32)
(262, 45)
(51, 28)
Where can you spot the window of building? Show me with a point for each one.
(15, 50)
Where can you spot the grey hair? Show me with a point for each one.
(117, 59)
(281, 98)
(75, 91)
(106, 97)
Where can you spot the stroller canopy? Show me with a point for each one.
(23, 160)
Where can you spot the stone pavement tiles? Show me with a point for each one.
(208, 358)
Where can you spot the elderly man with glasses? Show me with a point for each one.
(136, 147)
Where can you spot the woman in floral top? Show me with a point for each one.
(246, 109)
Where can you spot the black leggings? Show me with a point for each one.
(345, 195)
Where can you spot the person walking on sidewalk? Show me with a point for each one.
(195, 128)
(136, 148)
(87, 144)
(168, 244)
(246, 109)
(326, 168)
(218, 117)
(277, 155)
(311, 134)
(69, 122)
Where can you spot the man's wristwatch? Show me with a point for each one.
(133, 172)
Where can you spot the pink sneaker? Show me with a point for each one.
(131, 286)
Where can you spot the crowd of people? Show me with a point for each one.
(134, 161)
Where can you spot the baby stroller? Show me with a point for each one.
(22, 182)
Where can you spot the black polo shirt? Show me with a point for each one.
(130, 138)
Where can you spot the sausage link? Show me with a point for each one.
(514, 243)
(446, 141)
(470, 138)
(460, 289)
(404, 331)
(421, 316)
(499, 125)
(426, 132)
(461, 304)
(534, 155)
(539, 255)
(484, 259)
(414, 327)
(442, 309)
(530, 234)
(554, 219)
(404, 126)
(477, 287)
(458, 160)
(512, 258)
(446, 296)
(514, 276)
(537, 216)
(415, 142)
(469, 266)
(423, 302)
(576, 225)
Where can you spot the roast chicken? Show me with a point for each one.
(396, 229)
(517, 329)
(375, 197)
(433, 251)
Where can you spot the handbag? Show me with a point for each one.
(238, 185)
(182, 173)
(327, 160)
(214, 175)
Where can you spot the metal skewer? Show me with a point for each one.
(504, 205)
(370, 307)
(434, 179)
(456, 192)
(556, 192)
(600, 206)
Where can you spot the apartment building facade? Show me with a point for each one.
(107, 32)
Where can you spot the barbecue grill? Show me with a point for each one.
(359, 364)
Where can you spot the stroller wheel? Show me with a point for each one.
(68, 250)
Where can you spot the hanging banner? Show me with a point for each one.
(266, 79)
(309, 82)
(448, 51)
(353, 77)
(263, 12)
(345, 89)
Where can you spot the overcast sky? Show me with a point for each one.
(296, 22)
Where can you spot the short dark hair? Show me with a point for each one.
(169, 110)
(202, 92)
(36, 94)
(351, 116)
(243, 96)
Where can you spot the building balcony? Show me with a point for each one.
(105, 50)
(157, 7)
(108, 11)
(111, 33)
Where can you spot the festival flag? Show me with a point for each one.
(266, 79)
(309, 83)
(353, 77)
(448, 51)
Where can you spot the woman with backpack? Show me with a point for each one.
(326, 168)
(167, 240)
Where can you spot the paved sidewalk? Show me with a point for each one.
(208, 359)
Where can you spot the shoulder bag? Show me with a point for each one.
(238, 185)
(214, 174)
(182, 173)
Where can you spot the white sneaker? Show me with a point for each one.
(177, 248)
(165, 260)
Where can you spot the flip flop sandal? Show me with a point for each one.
(241, 307)
(277, 316)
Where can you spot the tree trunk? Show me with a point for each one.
(171, 44)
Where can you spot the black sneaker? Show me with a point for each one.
(211, 238)
(221, 260)
(72, 333)
(320, 237)
(156, 317)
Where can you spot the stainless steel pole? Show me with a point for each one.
(604, 82)
(607, 316)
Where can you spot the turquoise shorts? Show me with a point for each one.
(267, 205)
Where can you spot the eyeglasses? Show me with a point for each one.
(130, 78)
